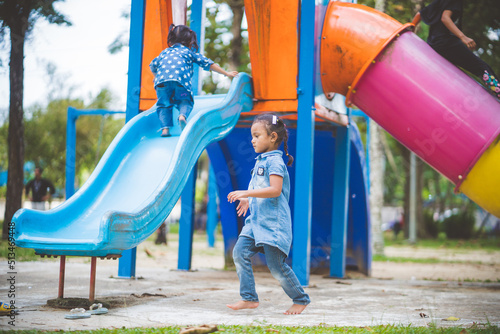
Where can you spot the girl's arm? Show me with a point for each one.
(216, 68)
(448, 23)
(274, 190)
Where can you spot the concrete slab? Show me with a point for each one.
(199, 297)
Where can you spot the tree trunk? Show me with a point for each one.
(376, 187)
(237, 7)
(421, 228)
(406, 201)
(376, 177)
(15, 181)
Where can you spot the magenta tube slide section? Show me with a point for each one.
(429, 105)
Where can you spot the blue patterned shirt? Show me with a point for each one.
(270, 221)
(176, 64)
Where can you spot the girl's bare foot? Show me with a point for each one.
(165, 132)
(295, 309)
(243, 304)
(182, 121)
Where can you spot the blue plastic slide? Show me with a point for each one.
(136, 184)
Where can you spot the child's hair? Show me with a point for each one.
(274, 124)
(183, 35)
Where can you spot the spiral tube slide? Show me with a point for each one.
(421, 99)
(135, 185)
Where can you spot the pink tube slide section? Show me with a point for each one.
(429, 105)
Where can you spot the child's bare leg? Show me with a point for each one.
(243, 304)
(295, 309)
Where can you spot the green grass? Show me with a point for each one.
(22, 254)
(486, 329)
(383, 258)
(488, 244)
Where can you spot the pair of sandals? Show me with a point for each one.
(491, 83)
(182, 123)
(81, 313)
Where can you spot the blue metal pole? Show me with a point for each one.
(73, 115)
(186, 222)
(137, 13)
(126, 264)
(340, 202)
(305, 146)
(357, 112)
(212, 217)
(196, 24)
(70, 151)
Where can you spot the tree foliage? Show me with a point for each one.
(19, 17)
(481, 22)
(225, 44)
(46, 136)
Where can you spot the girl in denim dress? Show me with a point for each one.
(268, 228)
(173, 71)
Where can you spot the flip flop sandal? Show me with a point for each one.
(77, 313)
(97, 309)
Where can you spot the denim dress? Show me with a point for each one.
(270, 220)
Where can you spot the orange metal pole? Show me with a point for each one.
(62, 269)
(92, 278)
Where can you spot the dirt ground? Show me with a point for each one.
(458, 264)
(466, 287)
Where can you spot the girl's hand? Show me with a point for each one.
(236, 195)
(469, 42)
(242, 207)
(232, 74)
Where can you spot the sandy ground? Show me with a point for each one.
(397, 293)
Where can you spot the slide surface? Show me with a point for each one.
(135, 185)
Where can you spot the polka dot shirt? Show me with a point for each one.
(176, 64)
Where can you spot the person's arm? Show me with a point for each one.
(216, 68)
(52, 188)
(274, 190)
(416, 19)
(448, 23)
(28, 187)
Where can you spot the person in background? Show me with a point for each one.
(444, 18)
(41, 190)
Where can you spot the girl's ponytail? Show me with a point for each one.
(285, 147)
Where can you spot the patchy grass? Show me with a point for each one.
(22, 254)
(383, 258)
(389, 329)
(488, 244)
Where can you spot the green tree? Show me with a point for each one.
(46, 136)
(226, 42)
(481, 22)
(19, 17)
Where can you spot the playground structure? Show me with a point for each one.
(375, 61)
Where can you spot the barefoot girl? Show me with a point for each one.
(268, 228)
